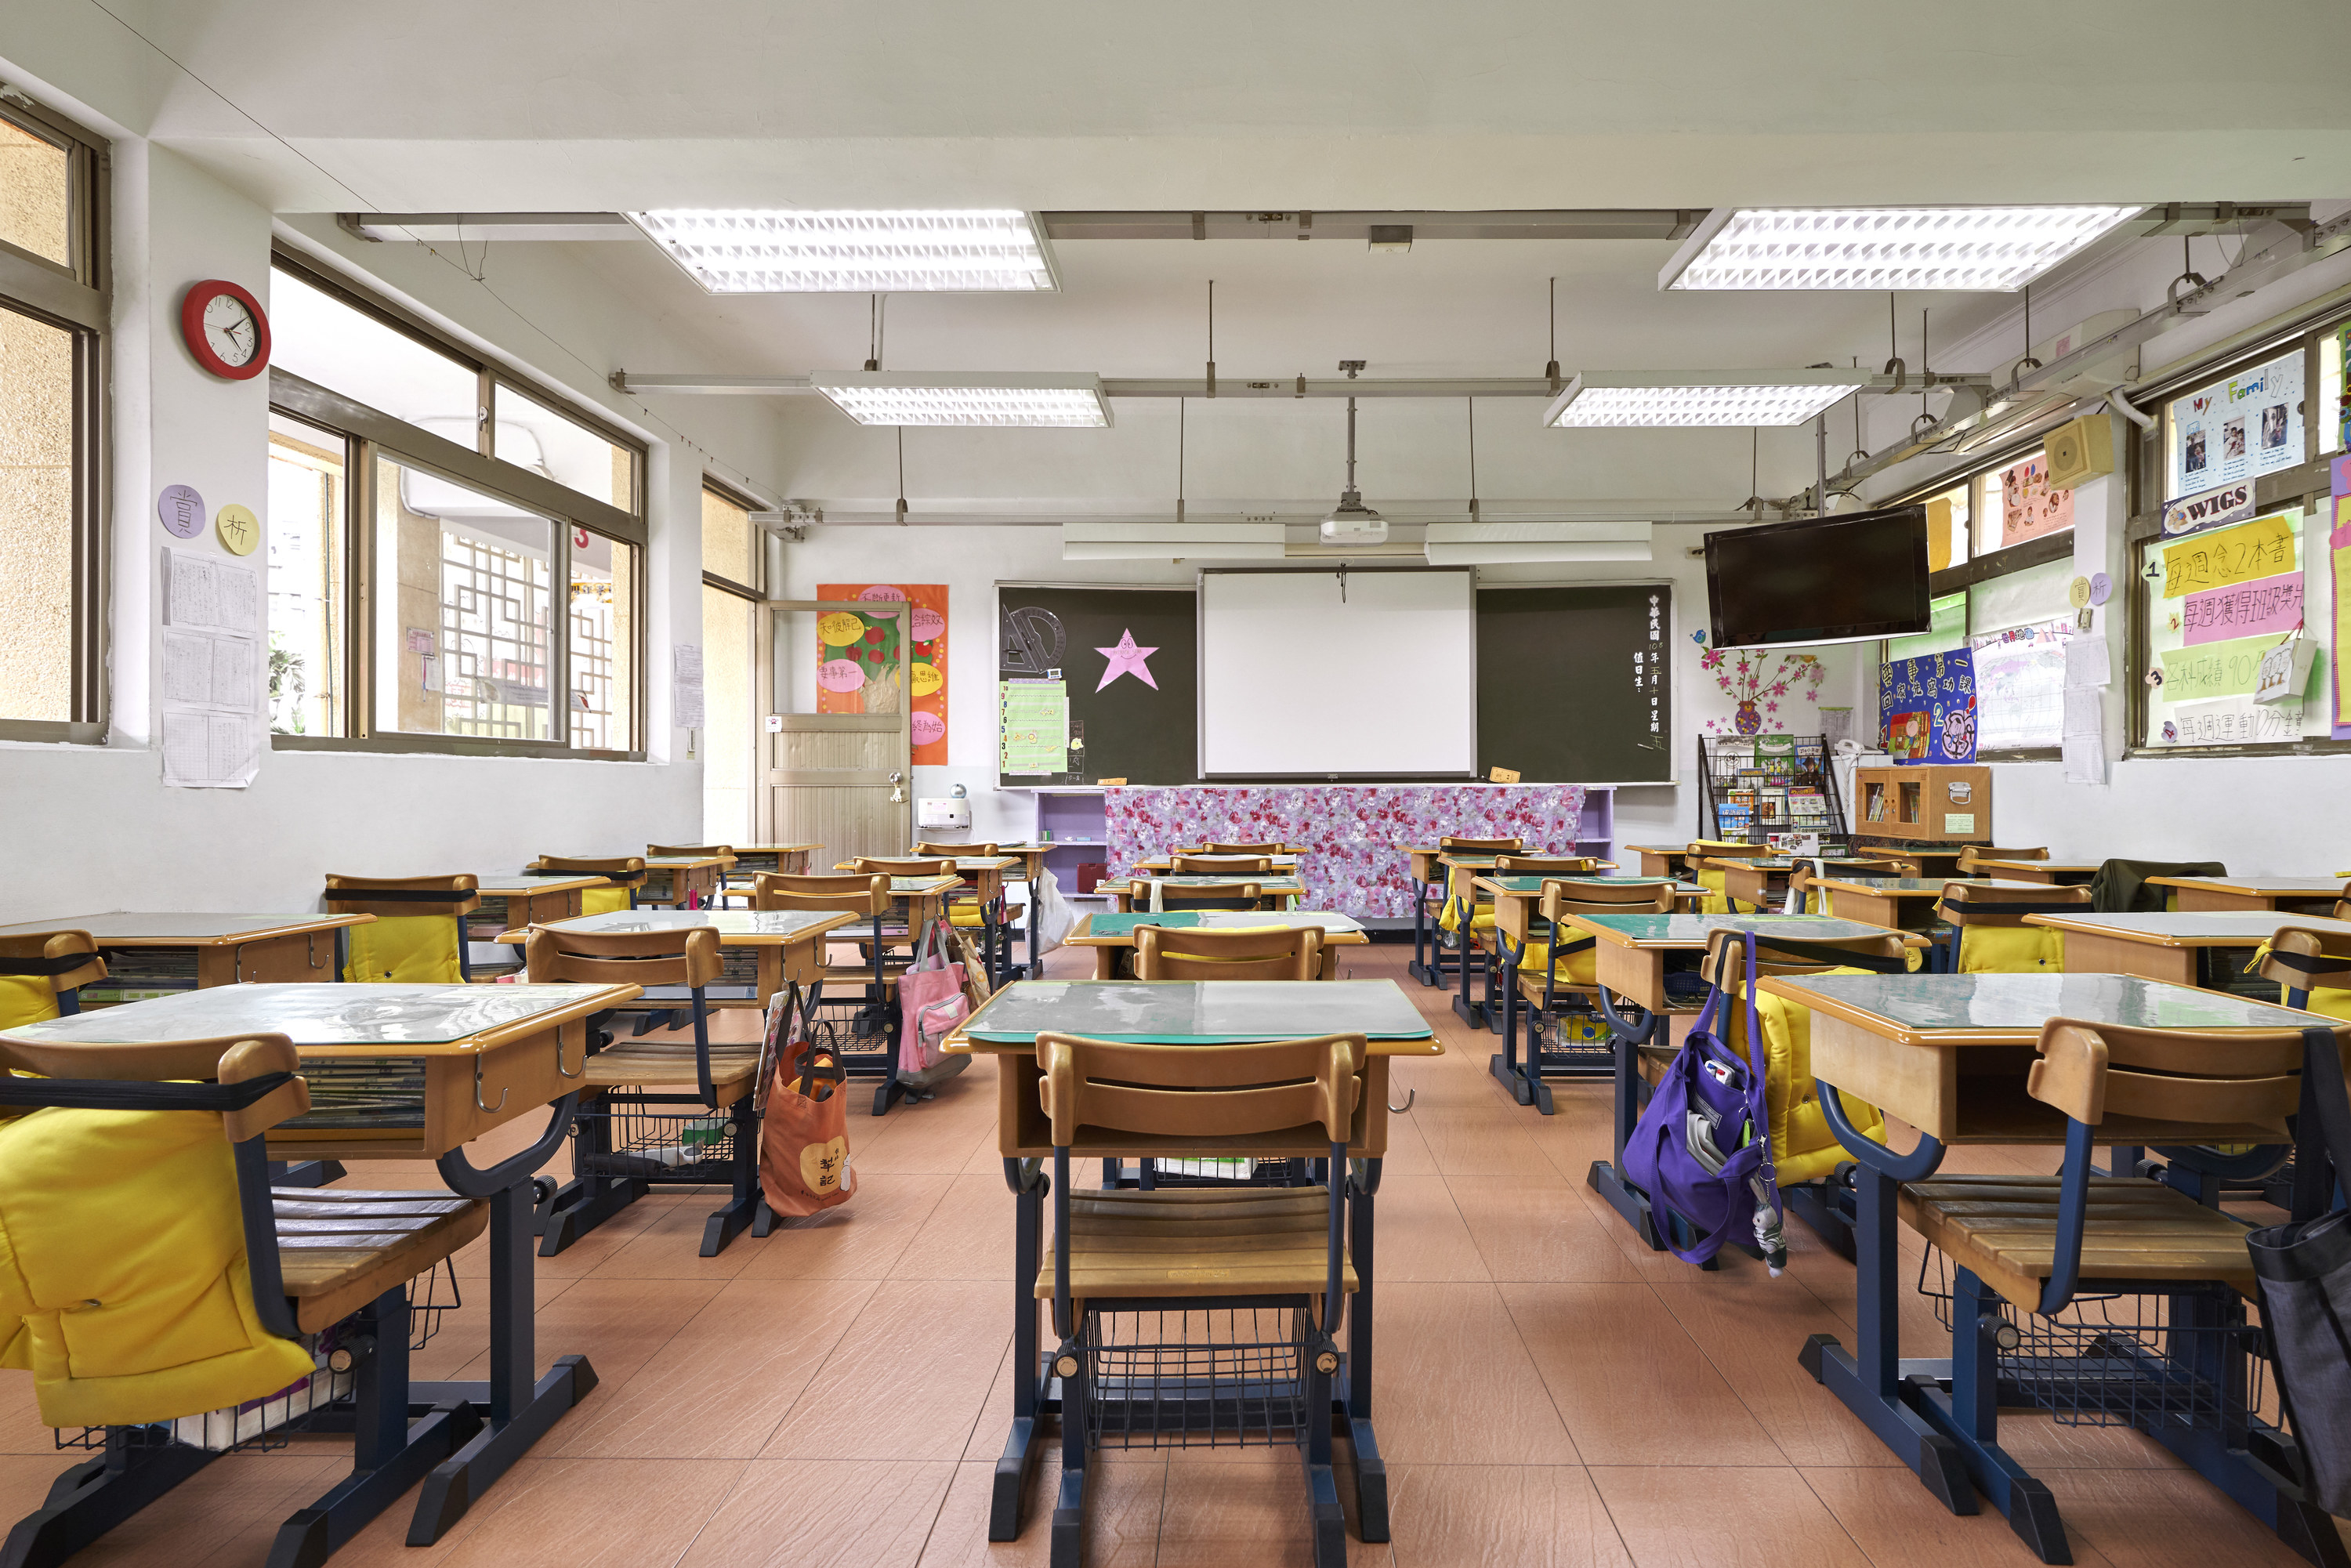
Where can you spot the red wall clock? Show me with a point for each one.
(225, 329)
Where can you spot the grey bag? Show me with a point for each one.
(2303, 1272)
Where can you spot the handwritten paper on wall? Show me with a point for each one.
(1034, 717)
(685, 685)
(213, 671)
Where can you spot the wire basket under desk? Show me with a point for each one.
(655, 1143)
(1218, 1377)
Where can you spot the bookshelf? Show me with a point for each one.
(1919, 805)
(1752, 786)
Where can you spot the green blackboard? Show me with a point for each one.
(1575, 684)
(1142, 731)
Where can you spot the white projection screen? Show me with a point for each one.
(1317, 674)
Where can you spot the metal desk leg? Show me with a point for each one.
(1419, 969)
(1353, 1393)
(1606, 1177)
(1471, 1013)
(1033, 1398)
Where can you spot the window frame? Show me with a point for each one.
(753, 592)
(370, 437)
(75, 298)
(2297, 488)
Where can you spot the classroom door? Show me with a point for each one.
(836, 743)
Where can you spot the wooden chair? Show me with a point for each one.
(1801, 880)
(871, 1049)
(666, 1113)
(927, 849)
(1989, 936)
(1197, 896)
(1717, 900)
(1213, 849)
(963, 910)
(922, 865)
(624, 876)
(727, 886)
(1290, 953)
(1222, 865)
(314, 1260)
(42, 973)
(1131, 1268)
(418, 937)
(1973, 855)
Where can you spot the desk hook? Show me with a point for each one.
(494, 1110)
(559, 1059)
(1409, 1096)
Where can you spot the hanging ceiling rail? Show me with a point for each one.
(1293, 387)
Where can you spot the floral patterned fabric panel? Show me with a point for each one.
(1347, 835)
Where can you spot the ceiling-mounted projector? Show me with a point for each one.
(1352, 522)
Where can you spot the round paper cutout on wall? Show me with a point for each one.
(182, 510)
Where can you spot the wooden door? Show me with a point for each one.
(844, 780)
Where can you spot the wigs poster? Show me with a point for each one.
(859, 658)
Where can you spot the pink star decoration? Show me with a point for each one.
(1126, 659)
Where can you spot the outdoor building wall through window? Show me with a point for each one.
(37, 519)
(603, 673)
(307, 571)
(730, 594)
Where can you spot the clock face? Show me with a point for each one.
(230, 331)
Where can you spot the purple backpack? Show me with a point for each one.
(1702, 1149)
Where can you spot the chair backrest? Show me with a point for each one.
(1545, 865)
(1239, 850)
(1223, 865)
(1726, 955)
(1209, 895)
(668, 956)
(2304, 959)
(621, 871)
(974, 970)
(1285, 953)
(1606, 898)
(889, 866)
(1723, 849)
(1973, 855)
(1979, 903)
(1196, 1091)
(219, 1059)
(928, 850)
(401, 897)
(692, 852)
(1500, 846)
(46, 963)
(850, 893)
(2242, 1082)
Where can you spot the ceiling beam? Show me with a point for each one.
(1293, 387)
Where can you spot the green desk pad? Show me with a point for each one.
(315, 1014)
(2015, 1003)
(1218, 919)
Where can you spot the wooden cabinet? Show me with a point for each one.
(1926, 805)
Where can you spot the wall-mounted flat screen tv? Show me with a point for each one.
(1844, 578)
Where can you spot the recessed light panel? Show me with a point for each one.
(1697, 398)
(760, 251)
(873, 397)
(1884, 248)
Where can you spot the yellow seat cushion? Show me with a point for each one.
(1575, 969)
(603, 900)
(1803, 1149)
(1717, 901)
(2010, 950)
(25, 999)
(405, 951)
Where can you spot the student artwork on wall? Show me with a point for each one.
(2239, 428)
(2338, 513)
(2028, 506)
(1766, 690)
(1928, 708)
(859, 656)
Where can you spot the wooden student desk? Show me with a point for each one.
(1763, 880)
(1283, 862)
(1111, 935)
(673, 879)
(790, 859)
(509, 901)
(151, 954)
(1662, 859)
(1133, 892)
(1902, 903)
(2314, 895)
(2046, 874)
(1948, 1054)
(761, 949)
(2169, 946)
(418, 1072)
(1182, 1013)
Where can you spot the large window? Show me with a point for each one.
(730, 596)
(52, 456)
(482, 589)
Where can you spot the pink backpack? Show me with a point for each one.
(931, 1002)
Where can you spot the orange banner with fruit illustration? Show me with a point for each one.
(859, 658)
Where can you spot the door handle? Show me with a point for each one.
(897, 789)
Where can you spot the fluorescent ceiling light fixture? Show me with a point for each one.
(1883, 247)
(1499, 543)
(878, 397)
(1173, 541)
(767, 251)
(1699, 398)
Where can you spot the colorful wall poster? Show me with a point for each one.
(860, 654)
(2239, 428)
(2214, 670)
(2252, 609)
(1928, 708)
(2245, 553)
(1032, 727)
(2339, 555)
(2028, 506)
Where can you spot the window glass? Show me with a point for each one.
(603, 622)
(462, 633)
(2239, 427)
(529, 435)
(37, 519)
(729, 736)
(1947, 629)
(320, 338)
(729, 543)
(2213, 603)
(2334, 408)
(36, 194)
(2014, 503)
(1947, 530)
(308, 574)
(2022, 598)
(2020, 686)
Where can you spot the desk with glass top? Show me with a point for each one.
(1288, 863)
(1902, 903)
(1110, 935)
(418, 1072)
(2183, 947)
(2046, 874)
(1133, 893)
(510, 900)
(1950, 1055)
(760, 950)
(1762, 881)
(2311, 894)
(1175, 1013)
(155, 955)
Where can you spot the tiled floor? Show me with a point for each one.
(1549, 1392)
